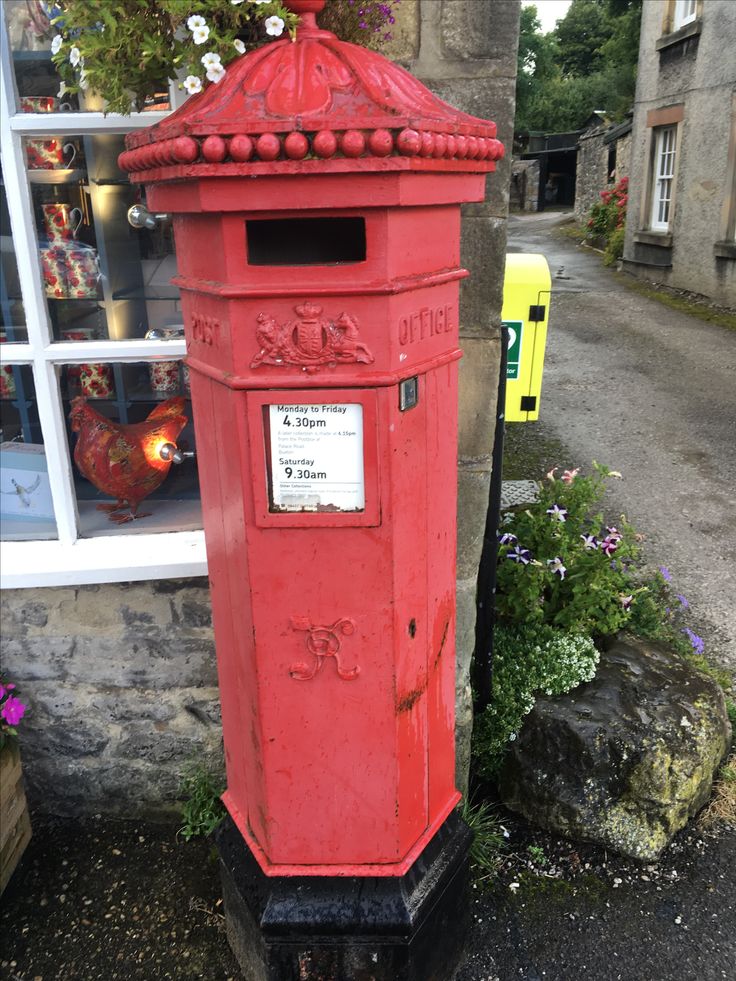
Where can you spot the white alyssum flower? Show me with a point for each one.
(210, 59)
(75, 56)
(216, 73)
(192, 84)
(200, 34)
(195, 22)
(56, 43)
(239, 46)
(274, 26)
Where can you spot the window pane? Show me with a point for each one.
(116, 433)
(26, 511)
(12, 315)
(38, 82)
(101, 276)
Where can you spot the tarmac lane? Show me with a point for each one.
(650, 392)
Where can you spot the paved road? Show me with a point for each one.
(650, 392)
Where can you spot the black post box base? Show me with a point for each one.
(335, 928)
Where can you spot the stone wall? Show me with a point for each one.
(592, 172)
(122, 686)
(122, 678)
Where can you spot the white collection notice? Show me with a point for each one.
(317, 457)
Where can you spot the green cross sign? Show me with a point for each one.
(514, 349)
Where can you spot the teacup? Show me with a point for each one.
(61, 222)
(50, 154)
(38, 103)
(96, 380)
(164, 376)
(54, 265)
(82, 274)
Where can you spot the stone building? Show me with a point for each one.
(108, 634)
(603, 159)
(681, 221)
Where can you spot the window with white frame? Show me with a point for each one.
(665, 148)
(86, 311)
(685, 12)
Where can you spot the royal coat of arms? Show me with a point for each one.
(311, 342)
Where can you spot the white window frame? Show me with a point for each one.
(664, 164)
(685, 12)
(69, 559)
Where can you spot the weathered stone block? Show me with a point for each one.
(483, 252)
(624, 760)
(472, 505)
(479, 369)
(473, 30)
(404, 45)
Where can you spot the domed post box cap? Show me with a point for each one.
(353, 110)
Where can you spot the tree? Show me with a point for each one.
(581, 35)
(588, 62)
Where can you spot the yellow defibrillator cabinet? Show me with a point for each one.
(526, 295)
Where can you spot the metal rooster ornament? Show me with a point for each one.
(124, 461)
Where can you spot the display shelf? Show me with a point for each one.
(148, 293)
(50, 176)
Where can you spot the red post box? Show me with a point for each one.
(316, 197)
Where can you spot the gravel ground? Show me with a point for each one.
(106, 900)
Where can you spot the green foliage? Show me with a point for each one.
(731, 709)
(537, 855)
(202, 809)
(588, 62)
(527, 661)
(125, 51)
(581, 36)
(488, 839)
(560, 565)
(614, 249)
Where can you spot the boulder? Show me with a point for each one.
(624, 760)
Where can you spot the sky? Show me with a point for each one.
(549, 11)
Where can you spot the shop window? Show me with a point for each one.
(86, 310)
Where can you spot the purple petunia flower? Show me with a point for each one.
(507, 538)
(556, 566)
(519, 554)
(557, 512)
(666, 574)
(698, 644)
(682, 601)
(626, 601)
(614, 533)
(590, 541)
(609, 545)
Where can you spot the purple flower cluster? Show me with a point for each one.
(12, 709)
(697, 643)
(375, 16)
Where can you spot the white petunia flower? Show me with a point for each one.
(239, 46)
(259, 2)
(195, 22)
(216, 73)
(62, 90)
(56, 43)
(192, 84)
(74, 56)
(236, 3)
(210, 59)
(83, 83)
(274, 26)
(200, 35)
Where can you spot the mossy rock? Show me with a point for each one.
(624, 760)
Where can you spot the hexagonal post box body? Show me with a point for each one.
(316, 199)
